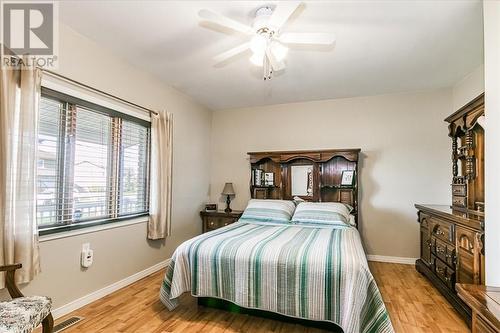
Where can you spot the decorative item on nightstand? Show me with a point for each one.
(210, 207)
(228, 191)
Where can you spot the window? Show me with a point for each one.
(93, 164)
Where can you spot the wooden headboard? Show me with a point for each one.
(327, 167)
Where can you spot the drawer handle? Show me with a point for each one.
(439, 249)
(226, 224)
(441, 271)
(212, 223)
(429, 244)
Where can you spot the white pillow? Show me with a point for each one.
(269, 210)
(322, 212)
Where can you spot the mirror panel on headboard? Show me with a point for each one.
(312, 175)
(301, 179)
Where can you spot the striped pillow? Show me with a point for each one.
(322, 212)
(269, 210)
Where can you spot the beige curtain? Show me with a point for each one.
(19, 98)
(160, 206)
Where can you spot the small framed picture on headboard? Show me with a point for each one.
(347, 178)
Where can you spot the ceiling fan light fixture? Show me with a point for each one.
(279, 51)
(257, 59)
(258, 44)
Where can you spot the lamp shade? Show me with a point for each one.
(228, 189)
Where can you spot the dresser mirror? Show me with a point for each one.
(302, 180)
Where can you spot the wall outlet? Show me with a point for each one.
(87, 255)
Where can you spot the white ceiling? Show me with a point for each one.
(382, 47)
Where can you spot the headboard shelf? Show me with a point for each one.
(313, 175)
(337, 186)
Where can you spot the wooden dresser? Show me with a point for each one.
(451, 250)
(452, 237)
(485, 304)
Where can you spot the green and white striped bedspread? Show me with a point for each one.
(315, 272)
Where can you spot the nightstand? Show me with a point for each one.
(219, 219)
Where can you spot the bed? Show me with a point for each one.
(295, 253)
(311, 271)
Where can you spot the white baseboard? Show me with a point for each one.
(94, 296)
(394, 260)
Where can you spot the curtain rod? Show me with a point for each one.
(83, 85)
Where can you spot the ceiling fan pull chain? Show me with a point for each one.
(265, 68)
(268, 70)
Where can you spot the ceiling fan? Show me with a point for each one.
(267, 43)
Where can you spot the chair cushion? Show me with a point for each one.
(23, 314)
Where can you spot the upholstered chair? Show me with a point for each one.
(23, 314)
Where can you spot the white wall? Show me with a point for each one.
(405, 155)
(492, 107)
(471, 86)
(124, 251)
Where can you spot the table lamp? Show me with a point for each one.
(228, 191)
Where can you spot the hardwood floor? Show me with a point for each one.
(413, 304)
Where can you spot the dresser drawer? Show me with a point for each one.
(218, 219)
(444, 251)
(445, 273)
(218, 222)
(459, 190)
(442, 230)
(458, 201)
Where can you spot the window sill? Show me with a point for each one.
(93, 229)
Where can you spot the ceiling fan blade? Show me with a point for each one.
(307, 38)
(275, 64)
(282, 13)
(224, 21)
(231, 53)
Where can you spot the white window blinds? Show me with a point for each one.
(93, 163)
(134, 173)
